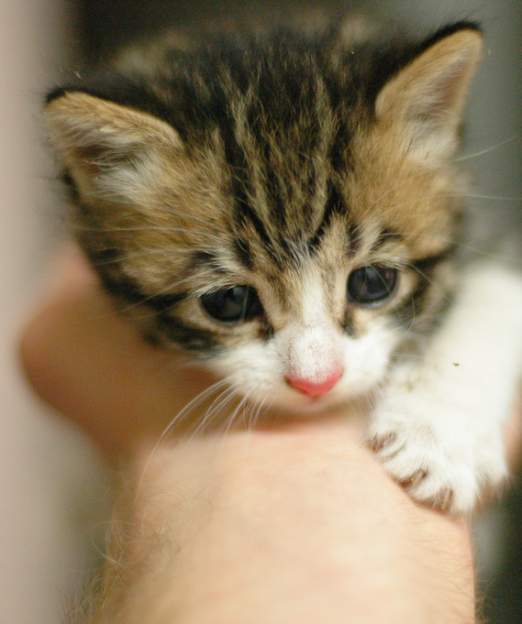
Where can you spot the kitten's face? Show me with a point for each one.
(294, 248)
(329, 293)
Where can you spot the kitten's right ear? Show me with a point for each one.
(107, 148)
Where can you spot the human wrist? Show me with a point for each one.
(300, 525)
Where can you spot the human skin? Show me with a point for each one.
(293, 521)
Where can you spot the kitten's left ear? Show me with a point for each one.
(424, 100)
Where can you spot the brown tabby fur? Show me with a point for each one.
(245, 155)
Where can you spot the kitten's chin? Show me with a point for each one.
(304, 406)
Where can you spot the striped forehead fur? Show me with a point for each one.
(279, 163)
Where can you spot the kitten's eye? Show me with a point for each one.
(371, 285)
(232, 305)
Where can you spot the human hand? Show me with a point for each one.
(306, 492)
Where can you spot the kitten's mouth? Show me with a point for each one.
(315, 405)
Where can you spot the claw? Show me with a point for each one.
(414, 479)
(443, 500)
(378, 443)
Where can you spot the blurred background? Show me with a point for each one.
(54, 487)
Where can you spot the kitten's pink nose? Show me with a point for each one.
(314, 388)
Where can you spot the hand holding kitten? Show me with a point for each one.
(285, 207)
(312, 486)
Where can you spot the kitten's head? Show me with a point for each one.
(282, 206)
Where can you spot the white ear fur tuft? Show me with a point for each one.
(94, 136)
(424, 101)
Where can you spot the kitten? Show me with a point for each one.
(284, 205)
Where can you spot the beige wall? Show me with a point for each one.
(41, 506)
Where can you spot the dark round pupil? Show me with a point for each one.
(239, 303)
(371, 284)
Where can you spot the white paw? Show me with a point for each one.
(440, 455)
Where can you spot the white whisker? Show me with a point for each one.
(179, 417)
(491, 197)
(255, 415)
(233, 416)
(144, 228)
(487, 150)
(199, 398)
(216, 407)
(163, 291)
(166, 252)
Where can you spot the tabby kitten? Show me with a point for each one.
(284, 205)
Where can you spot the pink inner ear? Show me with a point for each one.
(430, 90)
(313, 388)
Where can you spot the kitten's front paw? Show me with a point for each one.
(437, 460)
